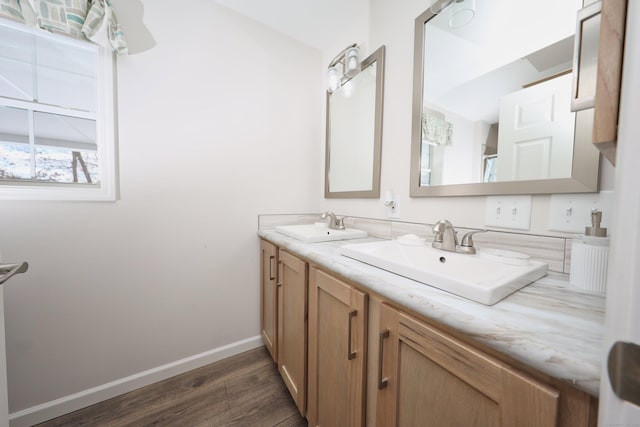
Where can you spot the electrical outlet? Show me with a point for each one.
(394, 212)
(508, 212)
(572, 212)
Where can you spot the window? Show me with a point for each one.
(56, 117)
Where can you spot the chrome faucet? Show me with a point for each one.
(446, 238)
(335, 223)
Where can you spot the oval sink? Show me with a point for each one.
(484, 278)
(319, 232)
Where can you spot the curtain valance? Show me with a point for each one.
(435, 128)
(93, 20)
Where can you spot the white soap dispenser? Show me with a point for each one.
(589, 257)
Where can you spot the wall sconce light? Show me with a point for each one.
(343, 67)
(334, 77)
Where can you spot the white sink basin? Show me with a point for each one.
(319, 232)
(486, 277)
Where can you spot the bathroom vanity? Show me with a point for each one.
(357, 345)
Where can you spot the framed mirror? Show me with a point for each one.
(492, 101)
(354, 133)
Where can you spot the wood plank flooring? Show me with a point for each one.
(244, 390)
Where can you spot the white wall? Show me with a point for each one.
(218, 123)
(221, 121)
(392, 24)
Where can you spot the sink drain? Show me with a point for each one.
(443, 259)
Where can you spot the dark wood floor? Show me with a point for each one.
(244, 390)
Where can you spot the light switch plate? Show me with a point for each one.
(508, 212)
(572, 212)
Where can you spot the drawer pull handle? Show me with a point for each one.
(350, 353)
(271, 276)
(382, 381)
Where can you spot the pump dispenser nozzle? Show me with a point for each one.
(595, 229)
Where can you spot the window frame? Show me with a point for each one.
(105, 117)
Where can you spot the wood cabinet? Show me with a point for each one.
(337, 351)
(292, 326)
(609, 80)
(269, 297)
(428, 378)
(283, 316)
(597, 73)
(342, 350)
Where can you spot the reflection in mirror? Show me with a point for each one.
(492, 103)
(354, 133)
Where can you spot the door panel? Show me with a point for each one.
(535, 138)
(430, 378)
(337, 342)
(455, 403)
(292, 326)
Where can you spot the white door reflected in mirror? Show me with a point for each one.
(535, 140)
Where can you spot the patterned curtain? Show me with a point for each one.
(93, 20)
(436, 129)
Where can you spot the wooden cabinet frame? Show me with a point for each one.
(292, 326)
(269, 297)
(283, 316)
(609, 80)
(337, 341)
(337, 352)
(425, 371)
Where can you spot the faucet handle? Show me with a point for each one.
(467, 239)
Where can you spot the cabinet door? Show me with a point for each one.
(337, 343)
(268, 297)
(428, 378)
(609, 80)
(292, 325)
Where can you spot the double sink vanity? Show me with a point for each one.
(371, 331)
(484, 276)
(387, 329)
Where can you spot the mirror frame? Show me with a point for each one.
(378, 57)
(585, 170)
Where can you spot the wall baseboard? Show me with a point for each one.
(73, 402)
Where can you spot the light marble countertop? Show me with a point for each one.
(546, 325)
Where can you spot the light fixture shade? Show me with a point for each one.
(461, 13)
(333, 76)
(352, 62)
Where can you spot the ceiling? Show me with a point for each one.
(312, 22)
